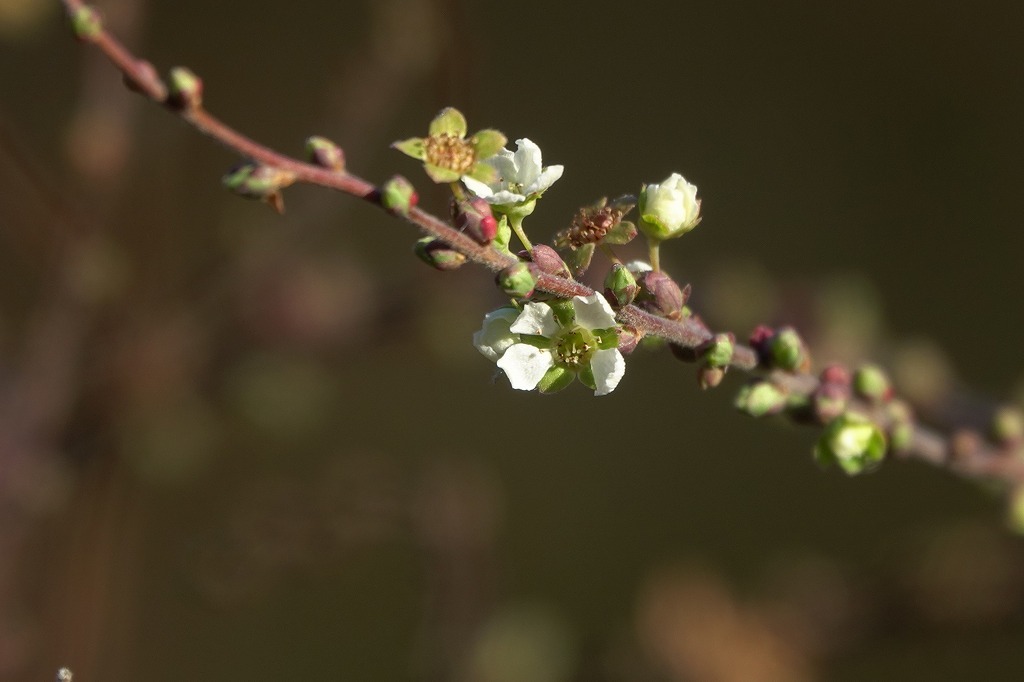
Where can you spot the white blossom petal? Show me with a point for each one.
(480, 189)
(504, 198)
(593, 312)
(547, 178)
(608, 367)
(536, 318)
(494, 338)
(526, 365)
(505, 163)
(519, 176)
(527, 159)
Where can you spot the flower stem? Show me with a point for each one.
(457, 191)
(654, 252)
(517, 226)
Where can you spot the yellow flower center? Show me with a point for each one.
(448, 151)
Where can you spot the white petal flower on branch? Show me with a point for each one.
(521, 177)
(541, 348)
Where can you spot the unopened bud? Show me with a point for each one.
(437, 254)
(829, 401)
(475, 218)
(629, 339)
(324, 153)
(186, 89)
(760, 398)
(710, 377)
(872, 384)
(620, 286)
(852, 441)
(398, 196)
(86, 23)
(787, 351)
(835, 374)
(660, 295)
(547, 259)
(1007, 427)
(256, 181)
(719, 350)
(519, 280)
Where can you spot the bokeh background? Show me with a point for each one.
(235, 445)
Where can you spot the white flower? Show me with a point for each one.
(520, 176)
(669, 209)
(553, 352)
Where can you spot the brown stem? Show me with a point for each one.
(983, 461)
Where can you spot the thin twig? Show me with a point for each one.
(979, 461)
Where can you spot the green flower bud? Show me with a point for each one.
(872, 384)
(324, 153)
(669, 209)
(398, 196)
(437, 254)
(852, 441)
(788, 351)
(86, 23)
(760, 398)
(718, 351)
(186, 89)
(1007, 427)
(519, 280)
(256, 181)
(620, 286)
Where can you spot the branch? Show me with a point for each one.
(964, 453)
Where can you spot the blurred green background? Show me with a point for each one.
(241, 446)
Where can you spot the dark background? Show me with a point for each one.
(242, 446)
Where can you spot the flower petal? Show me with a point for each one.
(536, 318)
(506, 198)
(494, 338)
(525, 365)
(547, 177)
(478, 188)
(608, 366)
(593, 312)
(504, 163)
(528, 160)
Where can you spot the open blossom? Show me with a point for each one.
(448, 155)
(669, 209)
(520, 176)
(546, 346)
